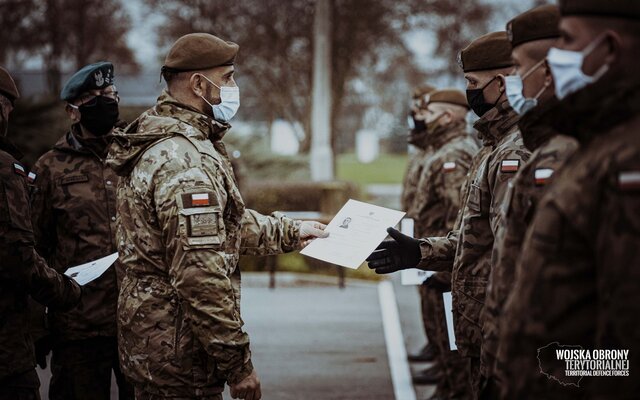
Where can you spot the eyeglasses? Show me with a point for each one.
(92, 100)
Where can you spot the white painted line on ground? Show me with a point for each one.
(396, 352)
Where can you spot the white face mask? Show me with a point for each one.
(520, 104)
(566, 68)
(229, 102)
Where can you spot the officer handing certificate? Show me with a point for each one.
(354, 233)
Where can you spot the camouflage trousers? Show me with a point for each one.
(142, 395)
(454, 383)
(22, 386)
(81, 369)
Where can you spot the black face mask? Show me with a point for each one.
(100, 115)
(477, 102)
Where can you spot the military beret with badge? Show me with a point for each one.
(90, 77)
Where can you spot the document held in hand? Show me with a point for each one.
(92, 270)
(354, 233)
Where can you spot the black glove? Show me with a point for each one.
(437, 283)
(43, 348)
(403, 252)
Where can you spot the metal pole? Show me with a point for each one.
(321, 152)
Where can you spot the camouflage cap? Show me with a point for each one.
(197, 51)
(450, 96)
(90, 77)
(8, 87)
(491, 51)
(536, 24)
(629, 9)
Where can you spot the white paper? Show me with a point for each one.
(92, 270)
(354, 233)
(412, 276)
(448, 312)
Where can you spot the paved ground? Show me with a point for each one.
(311, 340)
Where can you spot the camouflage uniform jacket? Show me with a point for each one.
(411, 177)
(437, 199)
(550, 151)
(73, 202)
(472, 263)
(182, 225)
(577, 279)
(22, 271)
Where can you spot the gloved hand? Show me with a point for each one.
(310, 230)
(437, 283)
(403, 252)
(43, 347)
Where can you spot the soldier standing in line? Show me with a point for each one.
(182, 225)
(74, 213)
(23, 272)
(577, 278)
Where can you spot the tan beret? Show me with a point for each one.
(7, 86)
(197, 51)
(536, 24)
(421, 90)
(491, 51)
(628, 9)
(450, 96)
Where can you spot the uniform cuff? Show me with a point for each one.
(241, 373)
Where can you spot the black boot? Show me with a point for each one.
(427, 354)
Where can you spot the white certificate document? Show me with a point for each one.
(412, 276)
(91, 271)
(354, 233)
(448, 312)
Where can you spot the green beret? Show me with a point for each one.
(536, 24)
(8, 86)
(421, 90)
(90, 77)
(491, 51)
(629, 9)
(198, 51)
(450, 96)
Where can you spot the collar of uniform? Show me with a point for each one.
(496, 123)
(449, 133)
(535, 127)
(597, 108)
(167, 105)
(9, 147)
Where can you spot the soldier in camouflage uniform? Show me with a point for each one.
(577, 279)
(485, 62)
(23, 272)
(530, 93)
(182, 225)
(74, 213)
(436, 208)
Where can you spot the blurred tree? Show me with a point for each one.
(66, 33)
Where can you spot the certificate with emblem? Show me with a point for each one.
(355, 232)
(91, 271)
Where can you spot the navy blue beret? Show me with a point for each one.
(90, 77)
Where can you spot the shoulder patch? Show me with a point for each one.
(629, 180)
(449, 166)
(542, 176)
(31, 177)
(509, 165)
(192, 200)
(19, 169)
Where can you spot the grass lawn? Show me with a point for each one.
(388, 168)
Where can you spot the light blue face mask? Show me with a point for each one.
(566, 67)
(229, 102)
(520, 104)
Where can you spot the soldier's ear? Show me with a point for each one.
(73, 113)
(196, 84)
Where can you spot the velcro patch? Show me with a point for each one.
(19, 169)
(203, 225)
(542, 176)
(67, 180)
(509, 165)
(629, 180)
(191, 200)
(449, 166)
(32, 177)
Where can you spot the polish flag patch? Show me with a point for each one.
(31, 177)
(509, 165)
(629, 180)
(449, 166)
(19, 169)
(542, 176)
(200, 199)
